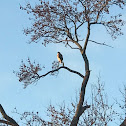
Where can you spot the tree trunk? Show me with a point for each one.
(80, 108)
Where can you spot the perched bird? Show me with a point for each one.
(60, 58)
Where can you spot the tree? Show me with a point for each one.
(6, 119)
(100, 113)
(60, 21)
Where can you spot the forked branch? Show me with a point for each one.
(28, 73)
(9, 121)
(62, 67)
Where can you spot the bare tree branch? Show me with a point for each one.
(6, 122)
(80, 25)
(72, 47)
(84, 108)
(9, 119)
(62, 67)
(61, 20)
(87, 37)
(100, 43)
(67, 44)
(69, 35)
(104, 5)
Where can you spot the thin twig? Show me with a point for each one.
(71, 46)
(101, 43)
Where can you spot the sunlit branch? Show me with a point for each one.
(9, 119)
(87, 37)
(84, 108)
(62, 67)
(76, 32)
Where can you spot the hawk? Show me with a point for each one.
(60, 58)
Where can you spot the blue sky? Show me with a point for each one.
(110, 62)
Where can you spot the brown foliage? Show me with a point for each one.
(28, 74)
(59, 20)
